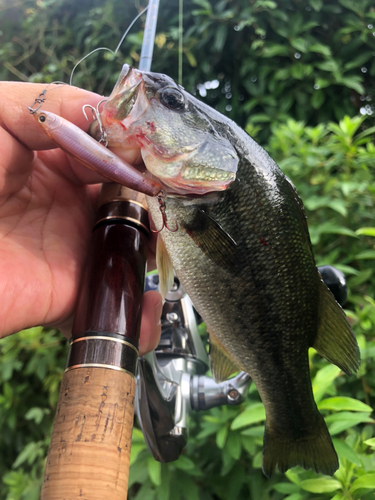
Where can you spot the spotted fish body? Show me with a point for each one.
(243, 253)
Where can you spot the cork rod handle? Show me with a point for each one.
(90, 446)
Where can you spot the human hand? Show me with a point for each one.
(47, 208)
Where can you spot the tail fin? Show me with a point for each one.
(313, 451)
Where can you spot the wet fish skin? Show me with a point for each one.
(244, 256)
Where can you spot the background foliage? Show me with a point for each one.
(299, 75)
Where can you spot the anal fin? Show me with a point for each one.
(335, 340)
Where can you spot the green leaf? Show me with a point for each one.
(154, 471)
(323, 379)
(163, 491)
(317, 99)
(253, 414)
(328, 65)
(343, 403)
(256, 431)
(300, 44)
(345, 420)
(365, 255)
(220, 38)
(292, 476)
(36, 414)
(30, 453)
(184, 463)
(367, 481)
(288, 488)
(360, 278)
(295, 496)
(145, 493)
(359, 61)
(370, 442)
(316, 4)
(322, 83)
(275, 50)
(367, 231)
(345, 451)
(320, 48)
(233, 445)
(320, 485)
(353, 82)
(135, 451)
(191, 58)
(205, 4)
(221, 437)
(257, 460)
(338, 496)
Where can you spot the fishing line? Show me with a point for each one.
(180, 38)
(42, 97)
(106, 48)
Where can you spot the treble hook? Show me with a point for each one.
(96, 116)
(161, 200)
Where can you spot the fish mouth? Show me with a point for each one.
(126, 101)
(124, 96)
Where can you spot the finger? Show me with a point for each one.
(64, 100)
(15, 118)
(15, 164)
(150, 325)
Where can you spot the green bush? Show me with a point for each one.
(331, 166)
(309, 59)
(264, 57)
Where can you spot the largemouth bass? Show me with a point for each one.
(242, 252)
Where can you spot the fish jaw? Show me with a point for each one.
(134, 116)
(180, 178)
(125, 107)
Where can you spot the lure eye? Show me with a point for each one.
(172, 99)
(42, 118)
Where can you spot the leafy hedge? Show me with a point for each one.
(247, 49)
(309, 59)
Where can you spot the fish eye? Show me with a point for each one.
(172, 99)
(42, 118)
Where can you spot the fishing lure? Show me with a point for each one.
(94, 155)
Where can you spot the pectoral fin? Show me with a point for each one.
(165, 267)
(214, 241)
(335, 339)
(221, 364)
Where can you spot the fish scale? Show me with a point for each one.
(242, 252)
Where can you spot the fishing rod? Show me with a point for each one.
(89, 452)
